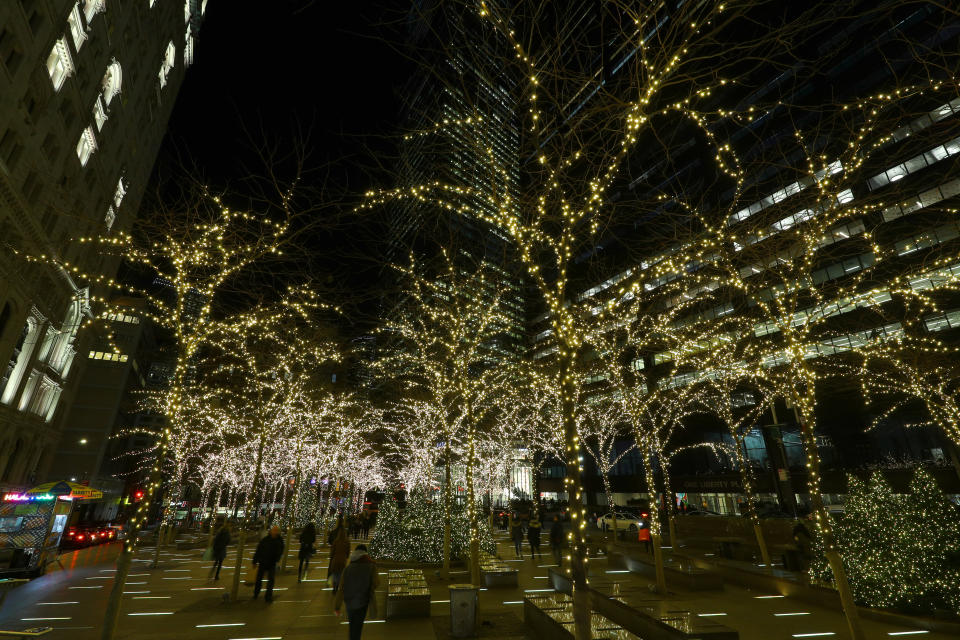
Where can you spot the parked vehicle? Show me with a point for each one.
(625, 521)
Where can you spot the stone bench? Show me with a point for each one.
(682, 576)
(407, 594)
(496, 573)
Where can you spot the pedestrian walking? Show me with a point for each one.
(533, 535)
(516, 534)
(643, 536)
(220, 542)
(365, 523)
(307, 539)
(556, 540)
(339, 551)
(357, 590)
(266, 557)
(335, 531)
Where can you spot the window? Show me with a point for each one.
(188, 46)
(112, 80)
(168, 61)
(59, 63)
(109, 88)
(86, 146)
(75, 27)
(115, 205)
(92, 8)
(10, 149)
(10, 51)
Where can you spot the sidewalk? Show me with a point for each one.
(177, 601)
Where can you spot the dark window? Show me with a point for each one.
(10, 51)
(10, 149)
(31, 187)
(51, 146)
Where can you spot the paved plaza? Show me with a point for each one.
(178, 600)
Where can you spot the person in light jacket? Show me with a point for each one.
(357, 590)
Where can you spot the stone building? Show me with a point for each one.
(86, 89)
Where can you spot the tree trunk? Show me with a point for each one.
(293, 498)
(746, 477)
(574, 486)
(671, 502)
(824, 526)
(475, 576)
(447, 525)
(655, 534)
(248, 507)
(151, 491)
(607, 489)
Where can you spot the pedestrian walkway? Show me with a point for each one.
(178, 601)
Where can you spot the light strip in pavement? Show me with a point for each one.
(438, 601)
(513, 602)
(820, 634)
(767, 597)
(28, 619)
(205, 588)
(536, 590)
(797, 613)
(264, 638)
(906, 633)
(222, 624)
(710, 615)
(137, 591)
(367, 622)
(152, 597)
(99, 586)
(152, 613)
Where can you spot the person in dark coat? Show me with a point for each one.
(265, 558)
(357, 589)
(335, 531)
(307, 539)
(220, 542)
(339, 551)
(365, 517)
(516, 534)
(533, 535)
(556, 540)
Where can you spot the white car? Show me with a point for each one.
(625, 522)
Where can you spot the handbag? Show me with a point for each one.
(208, 553)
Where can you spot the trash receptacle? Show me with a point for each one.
(463, 610)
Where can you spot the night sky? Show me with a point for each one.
(282, 64)
(278, 67)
